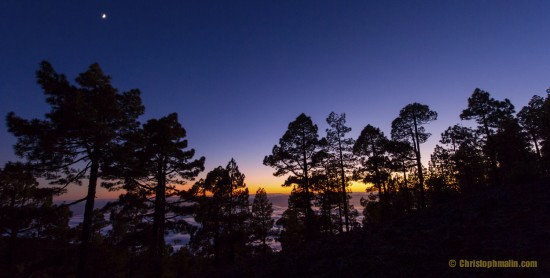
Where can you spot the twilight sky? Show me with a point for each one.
(237, 72)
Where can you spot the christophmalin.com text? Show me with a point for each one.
(492, 264)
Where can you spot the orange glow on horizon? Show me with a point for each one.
(272, 185)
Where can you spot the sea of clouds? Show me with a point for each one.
(179, 240)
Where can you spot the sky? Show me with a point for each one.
(238, 72)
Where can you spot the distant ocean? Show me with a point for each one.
(177, 240)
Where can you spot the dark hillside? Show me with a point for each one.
(494, 224)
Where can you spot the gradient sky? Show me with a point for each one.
(237, 72)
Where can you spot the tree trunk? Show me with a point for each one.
(158, 222)
(309, 228)
(419, 165)
(343, 183)
(420, 181)
(88, 218)
(406, 188)
(341, 224)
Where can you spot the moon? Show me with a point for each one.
(104, 16)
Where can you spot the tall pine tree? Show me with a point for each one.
(295, 155)
(371, 147)
(75, 140)
(341, 149)
(409, 127)
(155, 162)
(505, 144)
(223, 213)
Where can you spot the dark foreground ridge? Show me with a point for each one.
(491, 224)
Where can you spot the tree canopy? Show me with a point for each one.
(409, 127)
(76, 137)
(295, 155)
(161, 226)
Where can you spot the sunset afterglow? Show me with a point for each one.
(153, 138)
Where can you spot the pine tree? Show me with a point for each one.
(464, 157)
(27, 210)
(154, 162)
(544, 127)
(295, 156)
(505, 144)
(371, 147)
(130, 233)
(293, 234)
(341, 149)
(327, 185)
(261, 222)
(223, 213)
(409, 127)
(76, 138)
(531, 118)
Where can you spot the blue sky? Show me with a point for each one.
(237, 72)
